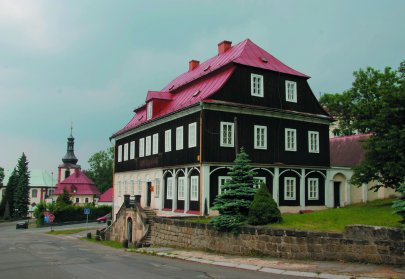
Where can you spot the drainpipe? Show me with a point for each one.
(200, 159)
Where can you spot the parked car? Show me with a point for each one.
(22, 225)
(104, 218)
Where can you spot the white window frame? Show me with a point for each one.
(126, 152)
(168, 140)
(257, 180)
(125, 187)
(220, 184)
(139, 186)
(293, 189)
(155, 143)
(119, 155)
(169, 188)
(256, 87)
(192, 135)
(157, 187)
(34, 191)
(148, 142)
(181, 185)
(149, 110)
(119, 188)
(141, 147)
(290, 146)
(224, 141)
(179, 138)
(259, 144)
(313, 189)
(313, 147)
(132, 186)
(194, 188)
(132, 150)
(290, 96)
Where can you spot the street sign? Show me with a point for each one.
(46, 219)
(47, 213)
(51, 218)
(87, 211)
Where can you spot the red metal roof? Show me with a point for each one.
(77, 184)
(206, 79)
(107, 196)
(347, 151)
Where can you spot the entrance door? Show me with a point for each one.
(336, 194)
(148, 193)
(129, 232)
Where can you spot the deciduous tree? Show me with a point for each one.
(101, 169)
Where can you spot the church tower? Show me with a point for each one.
(69, 161)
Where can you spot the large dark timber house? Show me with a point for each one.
(175, 152)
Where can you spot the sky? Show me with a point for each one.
(92, 62)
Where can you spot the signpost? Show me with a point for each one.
(49, 218)
(87, 213)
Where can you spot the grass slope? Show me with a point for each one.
(376, 213)
(68, 231)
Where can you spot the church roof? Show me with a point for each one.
(77, 184)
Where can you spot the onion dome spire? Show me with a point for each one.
(70, 157)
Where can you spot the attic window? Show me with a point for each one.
(264, 60)
(196, 93)
(207, 68)
(171, 87)
(149, 111)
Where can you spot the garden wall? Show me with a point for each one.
(357, 243)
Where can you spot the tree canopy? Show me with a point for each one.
(376, 105)
(101, 168)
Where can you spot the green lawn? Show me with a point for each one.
(68, 231)
(377, 213)
(109, 243)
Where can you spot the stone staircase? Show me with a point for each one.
(147, 239)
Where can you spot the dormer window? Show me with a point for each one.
(290, 91)
(256, 85)
(149, 111)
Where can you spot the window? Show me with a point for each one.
(148, 147)
(290, 140)
(126, 152)
(194, 188)
(141, 147)
(290, 91)
(260, 137)
(119, 188)
(221, 182)
(34, 193)
(132, 187)
(139, 186)
(86, 200)
(125, 188)
(289, 188)
(313, 188)
(119, 153)
(256, 85)
(169, 188)
(180, 188)
(192, 135)
(226, 134)
(155, 148)
(313, 142)
(257, 181)
(168, 140)
(149, 111)
(132, 150)
(179, 138)
(77, 200)
(157, 187)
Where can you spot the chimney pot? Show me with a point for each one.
(193, 64)
(224, 46)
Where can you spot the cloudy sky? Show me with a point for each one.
(92, 62)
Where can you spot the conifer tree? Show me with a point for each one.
(237, 195)
(64, 198)
(263, 209)
(7, 203)
(21, 197)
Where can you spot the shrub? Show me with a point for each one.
(227, 222)
(399, 204)
(263, 209)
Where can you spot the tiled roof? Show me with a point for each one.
(107, 196)
(78, 184)
(38, 178)
(347, 151)
(206, 79)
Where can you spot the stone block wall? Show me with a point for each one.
(357, 243)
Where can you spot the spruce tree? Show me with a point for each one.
(21, 197)
(64, 198)
(7, 203)
(263, 209)
(237, 195)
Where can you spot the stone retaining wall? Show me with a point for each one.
(357, 243)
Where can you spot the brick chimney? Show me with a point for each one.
(193, 64)
(224, 46)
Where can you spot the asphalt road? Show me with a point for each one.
(34, 254)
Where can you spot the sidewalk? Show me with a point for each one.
(312, 269)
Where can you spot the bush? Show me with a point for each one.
(263, 209)
(227, 222)
(399, 204)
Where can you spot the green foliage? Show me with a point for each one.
(64, 198)
(399, 204)
(21, 197)
(101, 169)
(263, 209)
(237, 194)
(7, 203)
